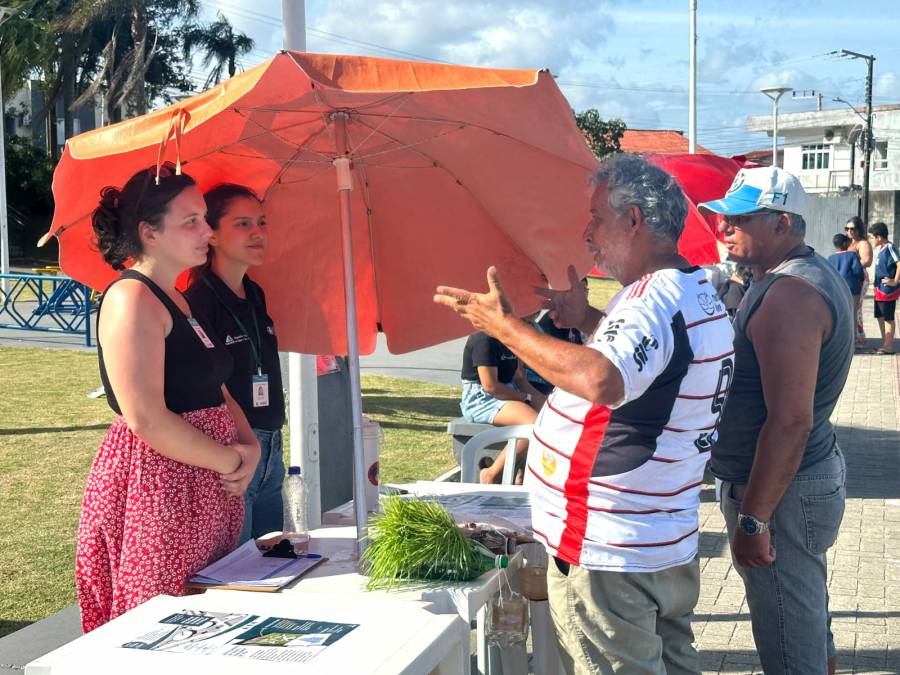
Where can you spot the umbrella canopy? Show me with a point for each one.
(453, 169)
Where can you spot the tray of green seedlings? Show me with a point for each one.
(415, 540)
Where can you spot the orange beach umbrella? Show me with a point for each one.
(448, 170)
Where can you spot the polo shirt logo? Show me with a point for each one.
(706, 304)
(548, 462)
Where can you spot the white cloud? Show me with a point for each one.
(887, 86)
(528, 34)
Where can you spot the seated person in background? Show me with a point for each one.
(733, 289)
(545, 325)
(848, 265)
(495, 391)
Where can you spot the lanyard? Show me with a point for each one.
(240, 324)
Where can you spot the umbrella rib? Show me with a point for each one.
(301, 146)
(404, 146)
(411, 146)
(281, 172)
(322, 169)
(383, 122)
(367, 202)
(264, 130)
(232, 153)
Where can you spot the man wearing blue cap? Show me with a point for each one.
(776, 453)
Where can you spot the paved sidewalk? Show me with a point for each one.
(864, 565)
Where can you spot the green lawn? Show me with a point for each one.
(601, 291)
(50, 430)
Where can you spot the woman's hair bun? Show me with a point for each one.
(107, 225)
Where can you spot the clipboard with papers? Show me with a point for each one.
(247, 569)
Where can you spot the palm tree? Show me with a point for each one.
(129, 31)
(221, 45)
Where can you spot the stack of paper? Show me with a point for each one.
(246, 568)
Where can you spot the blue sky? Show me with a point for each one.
(627, 58)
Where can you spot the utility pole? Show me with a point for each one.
(867, 157)
(852, 143)
(775, 93)
(692, 89)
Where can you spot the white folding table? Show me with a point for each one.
(391, 638)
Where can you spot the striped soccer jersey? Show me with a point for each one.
(618, 487)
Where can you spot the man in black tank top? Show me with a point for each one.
(776, 454)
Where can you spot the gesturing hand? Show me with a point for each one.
(568, 308)
(235, 483)
(485, 311)
(753, 550)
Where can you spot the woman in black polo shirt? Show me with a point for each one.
(496, 391)
(235, 308)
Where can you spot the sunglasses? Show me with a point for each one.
(165, 171)
(743, 220)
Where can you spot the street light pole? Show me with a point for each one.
(692, 90)
(775, 93)
(303, 385)
(5, 13)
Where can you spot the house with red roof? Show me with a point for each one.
(658, 142)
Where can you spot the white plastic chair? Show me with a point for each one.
(476, 448)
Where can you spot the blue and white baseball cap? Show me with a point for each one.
(760, 188)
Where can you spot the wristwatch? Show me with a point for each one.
(751, 524)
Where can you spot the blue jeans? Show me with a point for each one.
(788, 599)
(262, 500)
(479, 406)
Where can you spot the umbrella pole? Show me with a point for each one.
(344, 186)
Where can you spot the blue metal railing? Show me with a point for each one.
(44, 302)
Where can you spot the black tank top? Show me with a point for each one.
(194, 370)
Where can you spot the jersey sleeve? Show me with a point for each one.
(484, 353)
(637, 338)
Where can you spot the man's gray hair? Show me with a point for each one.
(631, 180)
(798, 225)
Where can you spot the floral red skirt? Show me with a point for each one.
(148, 523)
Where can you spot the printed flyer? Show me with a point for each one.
(247, 636)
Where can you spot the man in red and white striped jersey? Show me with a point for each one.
(618, 451)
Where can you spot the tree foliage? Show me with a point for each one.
(29, 172)
(603, 136)
(221, 46)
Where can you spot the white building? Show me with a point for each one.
(823, 149)
(28, 101)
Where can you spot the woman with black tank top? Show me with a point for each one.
(235, 309)
(163, 498)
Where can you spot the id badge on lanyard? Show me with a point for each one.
(260, 393)
(204, 338)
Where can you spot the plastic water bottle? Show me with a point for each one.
(506, 615)
(296, 522)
